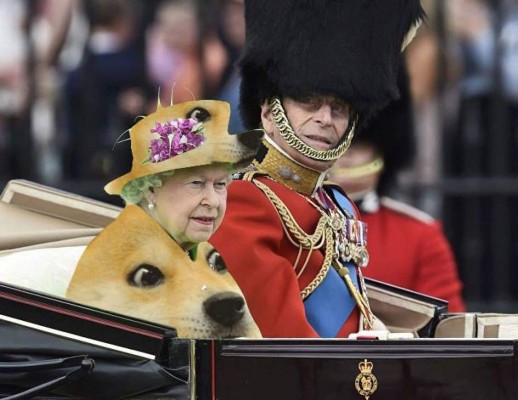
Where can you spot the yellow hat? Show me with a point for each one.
(184, 135)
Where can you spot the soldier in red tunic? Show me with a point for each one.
(312, 71)
(407, 247)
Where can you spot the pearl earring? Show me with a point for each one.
(151, 206)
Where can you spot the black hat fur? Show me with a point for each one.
(391, 130)
(346, 48)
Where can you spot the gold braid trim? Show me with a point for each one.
(328, 258)
(323, 234)
(359, 296)
(305, 240)
(297, 236)
(282, 168)
(369, 322)
(360, 171)
(250, 175)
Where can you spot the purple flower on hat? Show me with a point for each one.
(174, 137)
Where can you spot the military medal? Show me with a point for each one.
(337, 222)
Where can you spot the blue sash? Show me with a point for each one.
(331, 304)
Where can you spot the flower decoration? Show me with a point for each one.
(174, 137)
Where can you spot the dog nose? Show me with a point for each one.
(225, 308)
(251, 139)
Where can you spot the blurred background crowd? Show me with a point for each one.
(75, 73)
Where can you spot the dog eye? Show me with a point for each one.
(216, 262)
(199, 114)
(146, 276)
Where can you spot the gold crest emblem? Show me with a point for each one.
(366, 382)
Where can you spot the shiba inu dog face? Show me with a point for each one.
(133, 267)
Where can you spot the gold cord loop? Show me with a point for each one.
(291, 138)
(324, 233)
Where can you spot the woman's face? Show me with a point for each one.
(191, 203)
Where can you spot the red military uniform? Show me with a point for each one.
(293, 245)
(408, 248)
(260, 257)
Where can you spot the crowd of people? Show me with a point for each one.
(75, 76)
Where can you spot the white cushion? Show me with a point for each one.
(45, 270)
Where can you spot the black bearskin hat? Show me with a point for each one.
(345, 48)
(392, 132)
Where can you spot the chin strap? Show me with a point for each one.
(291, 138)
(360, 171)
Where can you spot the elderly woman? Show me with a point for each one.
(153, 261)
(183, 158)
(187, 199)
(189, 203)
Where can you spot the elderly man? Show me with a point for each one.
(311, 71)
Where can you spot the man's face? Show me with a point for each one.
(319, 121)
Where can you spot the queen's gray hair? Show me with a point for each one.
(135, 190)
